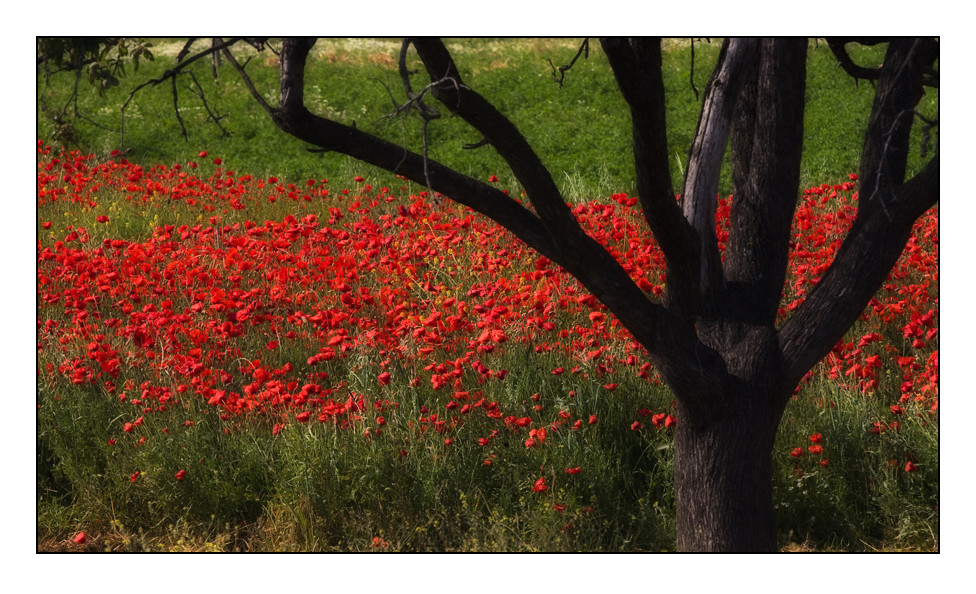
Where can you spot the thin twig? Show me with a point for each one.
(584, 50)
(203, 99)
(247, 80)
(176, 109)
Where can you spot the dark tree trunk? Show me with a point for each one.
(723, 477)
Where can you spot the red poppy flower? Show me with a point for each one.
(910, 467)
(80, 538)
(385, 378)
(797, 452)
(180, 474)
(540, 485)
(816, 437)
(816, 449)
(575, 470)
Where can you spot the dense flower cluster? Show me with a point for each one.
(317, 315)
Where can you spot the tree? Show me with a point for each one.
(714, 337)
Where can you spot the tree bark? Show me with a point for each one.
(723, 477)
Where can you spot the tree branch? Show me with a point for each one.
(838, 45)
(863, 261)
(584, 50)
(171, 73)
(884, 158)
(540, 188)
(700, 194)
(636, 67)
(761, 220)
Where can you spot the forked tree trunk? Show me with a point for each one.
(723, 451)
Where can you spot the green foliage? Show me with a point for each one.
(580, 129)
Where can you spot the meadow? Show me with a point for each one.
(234, 357)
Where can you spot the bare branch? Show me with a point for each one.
(884, 159)
(247, 80)
(203, 99)
(637, 68)
(584, 51)
(839, 48)
(171, 73)
(185, 50)
(700, 194)
(450, 90)
(176, 109)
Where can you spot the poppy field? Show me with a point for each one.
(247, 364)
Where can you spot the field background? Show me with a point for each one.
(318, 483)
(581, 129)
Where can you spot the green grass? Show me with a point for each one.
(581, 130)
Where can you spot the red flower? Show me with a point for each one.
(128, 427)
(492, 178)
(816, 437)
(670, 421)
(575, 470)
(302, 417)
(101, 219)
(180, 474)
(46, 224)
(797, 452)
(593, 420)
(910, 467)
(134, 476)
(80, 538)
(540, 485)
(897, 409)
(385, 378)
(636, 425)
(816, 449)
(202, 154)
